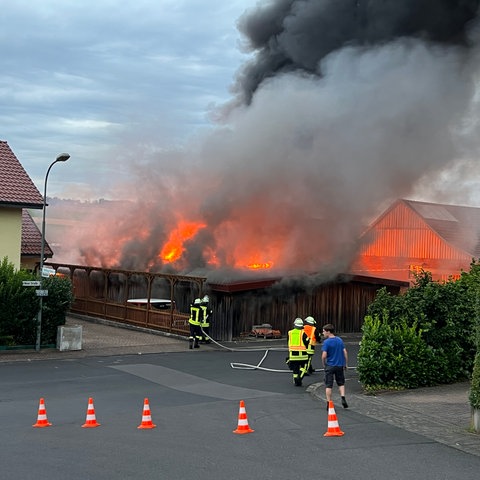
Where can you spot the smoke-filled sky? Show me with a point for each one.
(341, 107)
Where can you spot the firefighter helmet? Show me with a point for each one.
(310, 321)
(197, 301)
(298, 323)
(205, 299)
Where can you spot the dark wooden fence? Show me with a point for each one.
(237, 307)
(103, 293)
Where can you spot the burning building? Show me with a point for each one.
(412, 236)
(342, 107)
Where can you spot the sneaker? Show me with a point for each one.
(344, 403)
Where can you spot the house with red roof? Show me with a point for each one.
(20, 238)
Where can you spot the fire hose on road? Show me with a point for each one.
(258, 366)
(244, 366)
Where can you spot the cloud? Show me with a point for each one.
(141, 72)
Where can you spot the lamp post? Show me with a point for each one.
(63, 157)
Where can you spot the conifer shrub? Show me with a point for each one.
(474, 395)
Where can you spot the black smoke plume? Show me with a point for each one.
(295, 35)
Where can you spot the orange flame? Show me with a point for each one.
(211, 257)
(174, 246)
(260, 266)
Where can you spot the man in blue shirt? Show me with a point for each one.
(335, 361)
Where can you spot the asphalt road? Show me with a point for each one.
(194, 400)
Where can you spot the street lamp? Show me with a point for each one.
(63, 157)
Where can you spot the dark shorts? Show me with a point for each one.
(332, 373)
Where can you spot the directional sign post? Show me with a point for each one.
(47, 271)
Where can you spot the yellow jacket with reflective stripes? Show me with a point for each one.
(194, 316)
(296, 347)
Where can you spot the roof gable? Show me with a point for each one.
(32, 238)
(16, 187)
(457, 225)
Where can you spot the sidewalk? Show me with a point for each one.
(103, 338)
(439, 413)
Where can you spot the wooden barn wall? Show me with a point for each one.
(406, 242)
(403, 234)
(342, 304)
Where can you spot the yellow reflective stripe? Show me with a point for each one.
(204, 322)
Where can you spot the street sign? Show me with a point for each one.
(31, 283)
(41, 293)
(47, 271)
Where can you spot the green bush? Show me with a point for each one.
(20, 305)
(55, 306)
(424, 337)
(474, 395)
(394, 356)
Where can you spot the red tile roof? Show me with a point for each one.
(32, 238)
(16, 187)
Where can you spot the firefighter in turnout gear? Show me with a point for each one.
(205, 316)
(314, 338)
(297, 351)
(194, 323)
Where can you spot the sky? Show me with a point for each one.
(97, 78)
(266, 133)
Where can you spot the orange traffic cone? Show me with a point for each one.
(146, 416)
(42, 415)
(333, 427)
(242, 420)
(90, 421)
